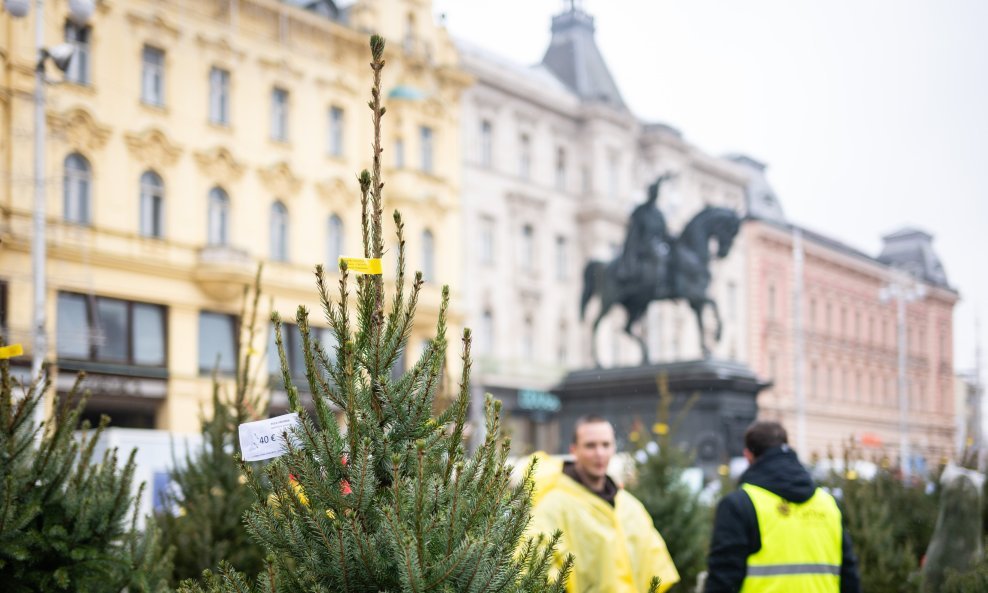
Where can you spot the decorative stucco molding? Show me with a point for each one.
(280, 180)
(153, 148)
(219, 165)
(79, 129)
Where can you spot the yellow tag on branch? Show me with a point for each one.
(11, 351)
(363, 265)
(660, 428)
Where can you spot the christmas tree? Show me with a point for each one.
(676, 510)
(203, 517)
(65, 518)
(890, 523)
(973, 581)
(393, 502)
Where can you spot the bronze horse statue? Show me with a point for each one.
(686, 277)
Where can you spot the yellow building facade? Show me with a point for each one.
(194, 139)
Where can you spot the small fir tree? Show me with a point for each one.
(973, 581)
(67, 521)
(203, 516)
(885, 562)
(676, 510)
(890, 523)
(957, 540)
(393, 503)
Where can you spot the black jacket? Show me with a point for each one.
(736, 533)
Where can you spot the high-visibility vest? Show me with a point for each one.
(801, 544)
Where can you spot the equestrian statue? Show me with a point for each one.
(655, 266)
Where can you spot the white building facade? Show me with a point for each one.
(554, 163)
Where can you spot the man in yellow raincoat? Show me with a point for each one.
(608, 531)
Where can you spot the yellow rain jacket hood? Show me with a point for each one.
(616, 549)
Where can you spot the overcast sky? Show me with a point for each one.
(872, 115)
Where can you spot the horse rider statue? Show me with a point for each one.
(644, 260)
(655, 266)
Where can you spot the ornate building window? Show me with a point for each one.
(561, 168)
(770, 303)
(279, 232)
(153, 76)
(486, 250)
(219, 96)
(399, 153)
(77, 189)
(218, 217)
(279, 114)
(428, 256)
(486, 144)
(562, 348)
(79, 66)
(814, 382)
(562, 258)
(525, 156)
(425, 145)
(152, 223)
(335, 132)
(334, 242)
(486, 341)
(528, 339)
(527, 248)
(613, 174)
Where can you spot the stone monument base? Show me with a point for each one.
(629, 397)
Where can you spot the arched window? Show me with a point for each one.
(334, 242)
(279, 232)
(527, 339)
(525, 156)
(152, 222)
(486, 143)
(76, 189)
(527, 248)
(486, 341)
(428, 257)
(219, 217)
(410, 32)
(562, 352)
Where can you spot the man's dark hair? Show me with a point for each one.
(763, 435)
(588, 419)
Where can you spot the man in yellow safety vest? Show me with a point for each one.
(779, 532)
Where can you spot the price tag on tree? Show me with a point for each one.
(265, 439)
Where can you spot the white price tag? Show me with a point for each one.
(265, 439)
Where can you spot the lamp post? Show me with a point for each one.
(61, 55)
(904, 289)
(799, 340)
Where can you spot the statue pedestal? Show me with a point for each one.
(629, 397)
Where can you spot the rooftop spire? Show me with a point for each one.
(573, 57)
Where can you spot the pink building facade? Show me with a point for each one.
(850, 348)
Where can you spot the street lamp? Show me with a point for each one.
(904, 289)
(61, 56)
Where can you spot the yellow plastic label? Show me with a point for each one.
(11, 351)
(363, 265)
